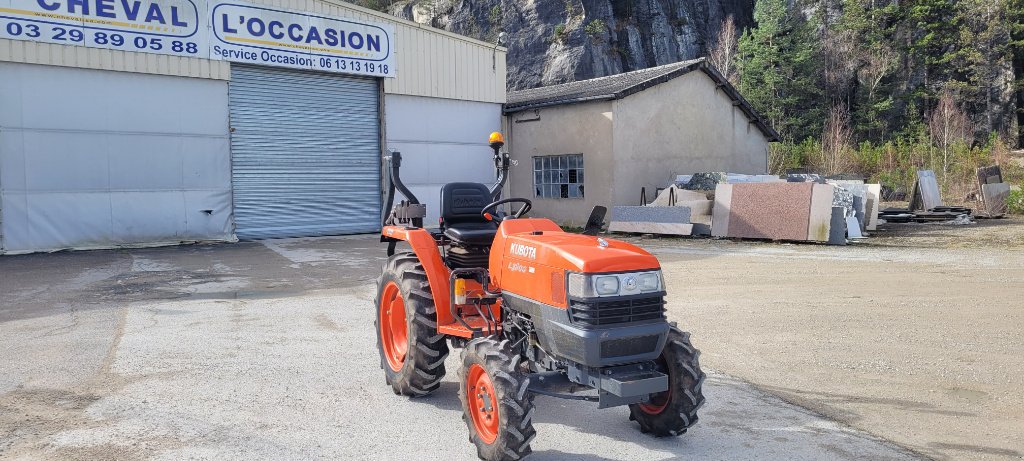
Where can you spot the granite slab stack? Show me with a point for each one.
(994, 192)
(861, 200)
(773, 211)
(662, 220)
(708, 181)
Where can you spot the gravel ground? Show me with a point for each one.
(265, 350)
(913, 335)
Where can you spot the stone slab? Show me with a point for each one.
(774, 211)
(698, 208)
(820, 219)
(996, 196)
(845, 182)
(681, 195)
(721, 210)
(651, 214)
(801, 177)
(705, 181)
(837, 226)
(853, 228)
(928, 188)
(733, 178)
(843, 197)
(858, 210)
(990, 175)
(874, 200)
(651, 228)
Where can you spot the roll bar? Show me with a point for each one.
(393, 164)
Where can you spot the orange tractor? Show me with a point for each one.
(535, 309)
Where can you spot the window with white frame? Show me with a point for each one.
(558, 176)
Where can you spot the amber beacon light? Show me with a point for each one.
(496, 139)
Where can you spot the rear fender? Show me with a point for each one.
(426, 250)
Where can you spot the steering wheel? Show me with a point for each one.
(527, 206)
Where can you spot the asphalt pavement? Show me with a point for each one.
(266, 350)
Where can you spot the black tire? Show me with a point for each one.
(663, 417)
(514, 430)
(423, 367)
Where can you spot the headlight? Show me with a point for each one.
(630, 283)
(606, 285)
(649, 282)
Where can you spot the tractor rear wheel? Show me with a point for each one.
(496, 406)
(671, 412)
(412, 352)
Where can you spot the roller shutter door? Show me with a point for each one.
(305, 150)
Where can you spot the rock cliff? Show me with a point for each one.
(557, 41)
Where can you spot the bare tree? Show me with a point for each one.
(835, 141)
(876, 64)
(723, 56)
(948, 124)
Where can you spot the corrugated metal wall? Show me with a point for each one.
(305, 150)
(442, 141)
(103, 59)
(431, 62)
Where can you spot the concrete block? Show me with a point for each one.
(874, 200)
(995, 198)
(820, 220)
(837, 226)
(654, 214)
(776, 211)
(720, 212)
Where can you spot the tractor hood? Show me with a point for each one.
(578, 253)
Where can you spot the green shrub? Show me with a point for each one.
(559, 34)
(595, 28)
(1016, 202)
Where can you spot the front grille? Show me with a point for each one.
(624, 347)
(600, 313)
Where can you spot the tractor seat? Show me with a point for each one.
(461, 203)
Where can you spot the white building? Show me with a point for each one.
(602, 141)
(150, 122)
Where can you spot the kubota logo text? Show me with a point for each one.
(518, 249)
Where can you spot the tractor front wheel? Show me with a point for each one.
(412, 352)
(496, 406)
(671, 412)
